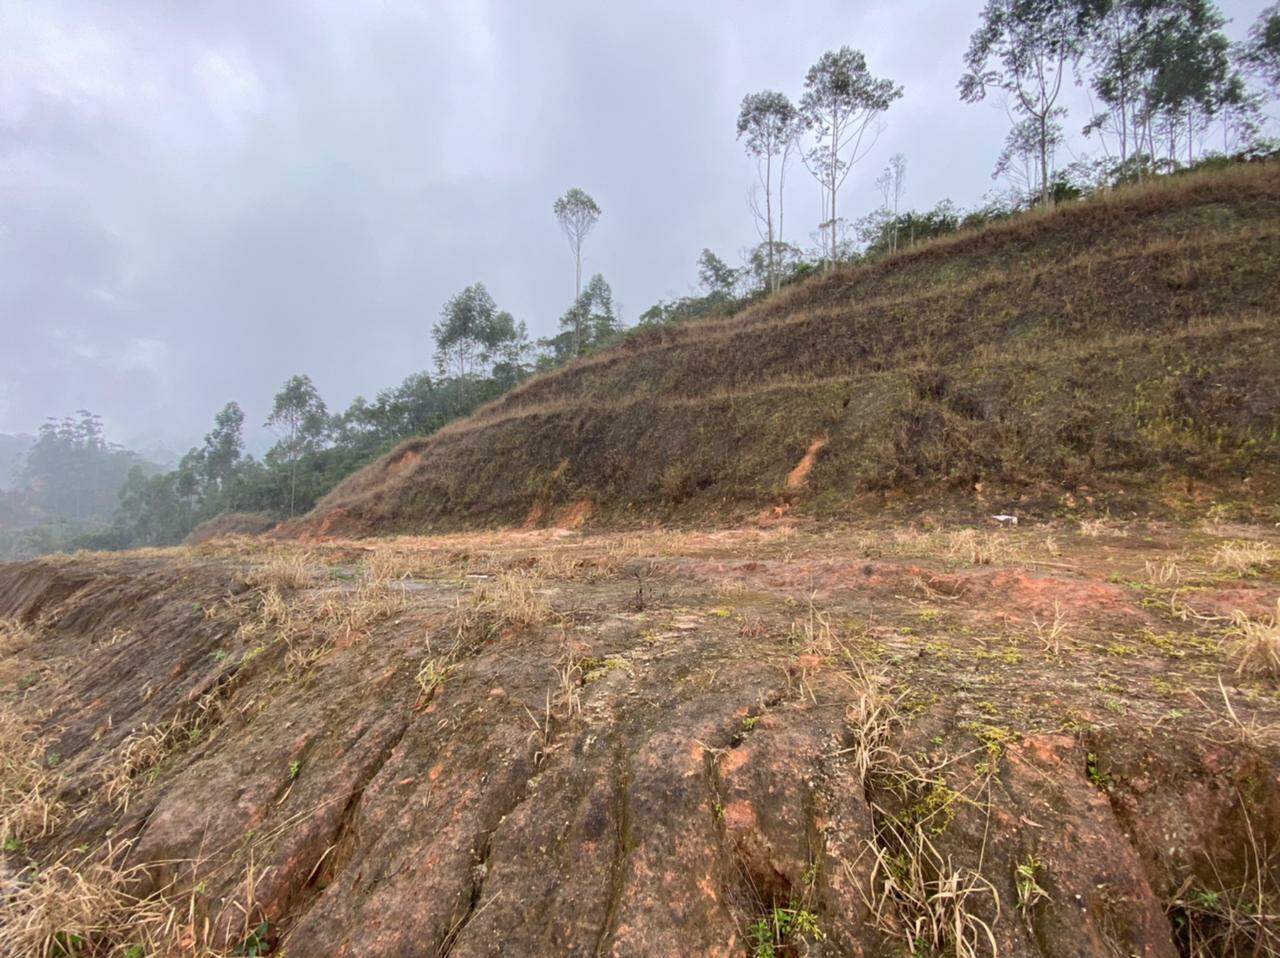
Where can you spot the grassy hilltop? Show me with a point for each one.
(1121, 349)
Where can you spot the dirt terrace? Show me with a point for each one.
(1050, 740)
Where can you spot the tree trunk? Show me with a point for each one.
(1044, 158)
(768, 219)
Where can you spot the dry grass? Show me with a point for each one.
(1226, 918)
(934, 900)
(968, 546)
(1051, 631)
(310, 624)
(1243, 558)
(915, 894)
(15, 636)
(84, 908)
(1165, 572)
(1250, 734)
(1255, 643)
(871, 717)
(149, 745)
(29, 803)
(570, 678)
(979, 548)
(513, 601)
(90, 905)
(1095, 528)
(289, 570)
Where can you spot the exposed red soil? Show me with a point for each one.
(797, 477)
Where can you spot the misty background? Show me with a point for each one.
(199, 200)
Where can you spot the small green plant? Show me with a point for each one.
(294, 768)
(67, 944)
(1097, 776)
(1027, 881)
(782, 928)
(256, 944)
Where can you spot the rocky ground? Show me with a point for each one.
(1055, 739)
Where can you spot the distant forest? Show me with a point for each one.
(1170, 94)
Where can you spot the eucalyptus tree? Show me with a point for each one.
(1027, 49)
(1122, 73)
(300, 422)
(1194, 80)
(770, 125)
(1262, 49)
(577, 213)
(470, 332)
(223, 448)
(892, 183)
(841, 105)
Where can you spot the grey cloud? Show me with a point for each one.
(198, 200)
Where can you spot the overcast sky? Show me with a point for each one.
(201, 198)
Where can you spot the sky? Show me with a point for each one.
(200, 199)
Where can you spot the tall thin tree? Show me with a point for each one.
(842, 103)
(1027, 48)
(577, 213)
(770, 125)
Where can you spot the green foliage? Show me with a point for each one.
(782, 928)
(841, 103)
(473, 337)
(577, 213)
(301, 421)
(65, 487)
(217, 477)
(256, 945)
(1262, 50)
(1027, 876)
(1026, 49)
(591, 324)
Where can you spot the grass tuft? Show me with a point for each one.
(1243, 558)
(514, 601)
(1255, 643)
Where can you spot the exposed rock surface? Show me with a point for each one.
(549, 744)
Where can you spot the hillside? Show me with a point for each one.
(1120, 349)
(873, 728)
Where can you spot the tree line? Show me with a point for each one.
(1163, 80)
(1164, 83)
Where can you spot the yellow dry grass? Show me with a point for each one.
(288, 570)
(1243, 557)
(29, 802)
(1255, 643)
(513, 600)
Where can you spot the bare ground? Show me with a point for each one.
(1050, 740)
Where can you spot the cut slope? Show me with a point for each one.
(1124, 343)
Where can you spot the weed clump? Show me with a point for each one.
(1256, 643)
(1243, 558)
